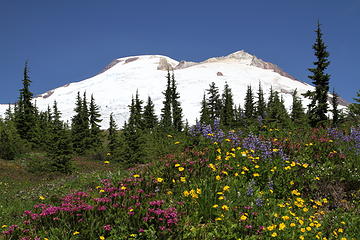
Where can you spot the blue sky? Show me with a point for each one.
(70, 40)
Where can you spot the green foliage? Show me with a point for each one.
(149, 116)
(335, 111)
(80, 125)
(214, 102)
(204, 112)
(94, 121)
(297, 114)
(249, 104)
(318, 106)
(8, 144)
(354, 109)
(277, 112)
(227, 111)
(112, 136)
(260, 104)
(176, 106)
(166, 116)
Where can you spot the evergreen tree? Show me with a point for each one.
(335, 110)
(7, 144)
(150, 119)
(204, 112)
(80, 125)
(176, 106)
(239, 116)
(25, 117)
(297, 114)
(214, 102)
(60, 151)
(277, 112)
(166, 117)
(112, 137)
(227, 114)
(138, 114)
(260, 104)
(249, 104)
(94, 120)
(354, 108)
(318, 106)
(9, 115)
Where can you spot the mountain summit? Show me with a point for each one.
(114, 86)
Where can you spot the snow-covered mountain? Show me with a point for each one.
(114, 86)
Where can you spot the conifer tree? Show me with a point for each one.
(94, 120)
(25, 117)
(80, 125)
(354, 108)
(297, 114)
(227, 114)
(204, 112)
(318, 106)
(150, 119)
(260, 104)
(214, 102)
(335, 110)
(7, 144)
(166, 117)
(277, 112)
(112, 137)
(249, 104)
(60, 145)
(9, 115)
(176, 106)
(138, 113)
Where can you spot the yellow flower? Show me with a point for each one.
(292, 183)
(4, 226)
(325, 200)
(282, 226)
(215, 206)
(169, 192)
(275, 150)
(272, 227)
(305, 209)
(256, 174)
(198, 191)
(218, 177)
(41, 197)
(123, 188)
(102, 238)
(221, 198)
(218, 219)
(136, 175)
(343, 238)
(292, 224)
(317, 178)
(274, 234)
(106, 162)
(181, 169)
(236, 174)
(186, 193)
(169, 136)
(285, 218)
(76, 233)
(225, 208)
(159, 180)
(182, 179)
(340, 230)
(227, 140)
(176, 142)
(177, 165)
(46, 239)
(226, 188)
(305, 165)
(108, 154)
(134, 235)
(303, 230)
(243, 217)
(295, 192)
(293, 164)
(308, 228)
(301, 237)
(102, 190)
(301, 222)
(257, 166)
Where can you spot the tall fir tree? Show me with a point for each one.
(335, 111)
(249, 104)
(25, 115)
(60, 147)
(80, 125)
(166, 117)
(277, 112)
(214, 102)
(138, 112)
(204, 112)
(112, 135)
(260, 104)
(354, 108)
(297, 114)
(176, 106)
(149, 116)
(318, 106)
(227, 114)
(94, 121)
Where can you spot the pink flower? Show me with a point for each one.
(107, 228)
